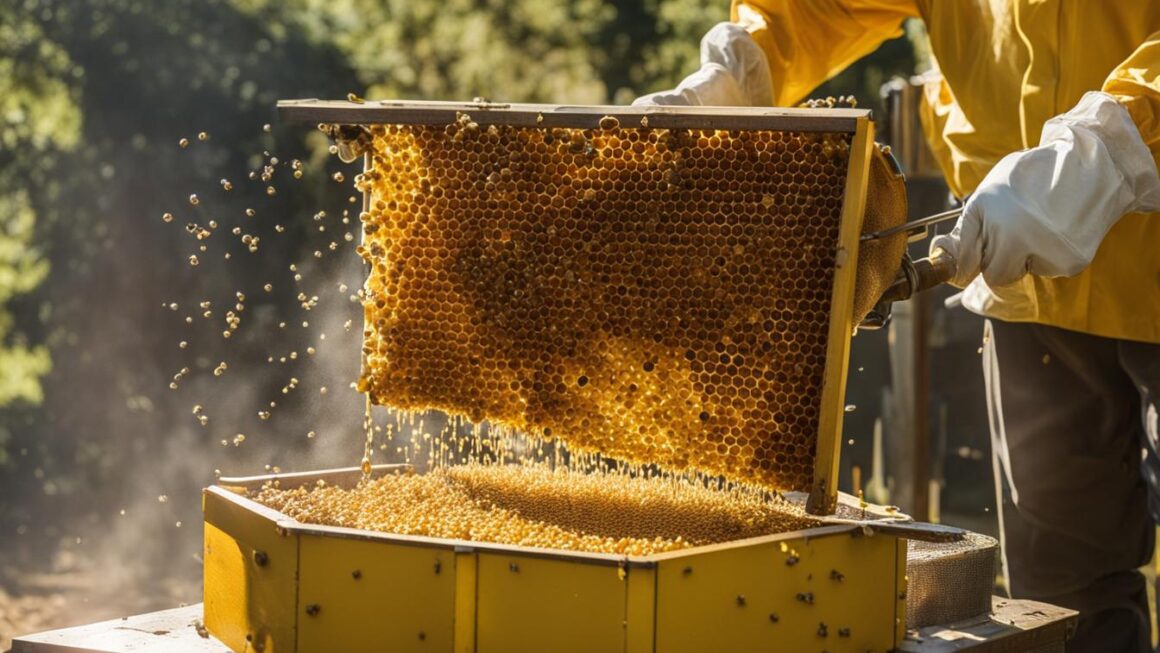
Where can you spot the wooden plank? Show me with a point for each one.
(807, 533)
(1013, 626)
(580, 116)
(370, 596)
(168, 631)
(232, 501)
(250, 575)
(640, 619)
(466, 599)
(346, 477)
(900, 586)
(801, 596)
(537, 605)
(823, 497)
(232, 496)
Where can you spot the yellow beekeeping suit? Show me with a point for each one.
(1007, 67)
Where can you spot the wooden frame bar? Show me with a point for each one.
(824, 492)
(580, 116)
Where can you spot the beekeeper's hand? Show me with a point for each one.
(1044, 211)
(734, 72)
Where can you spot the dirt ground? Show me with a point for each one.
(69, 589)
(29, 614)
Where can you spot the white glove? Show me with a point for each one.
(1045, 210)
(734, 73)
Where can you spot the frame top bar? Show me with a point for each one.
(402, 112)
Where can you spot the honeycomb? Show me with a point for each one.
(533, 505)
(886, 206)
(660, 296)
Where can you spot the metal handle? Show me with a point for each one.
(920, 275)
(934, 270)
(913, 277)
(911, 530)
(914, 228)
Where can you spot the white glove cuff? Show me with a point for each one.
(1100, 115)
(711, 85)
(731, 46)
(734, 73)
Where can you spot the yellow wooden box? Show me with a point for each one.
(273, 584)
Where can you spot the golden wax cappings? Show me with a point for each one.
(538, 507)
(660, 296)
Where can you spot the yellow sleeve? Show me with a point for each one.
(1136, 84)
(810, 41)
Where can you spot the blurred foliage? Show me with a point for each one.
(39, 119)
(584, 51)
(93, 98)
(94, 95)
(22, 269)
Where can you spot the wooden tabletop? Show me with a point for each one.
(170, 631)
(1014, 626)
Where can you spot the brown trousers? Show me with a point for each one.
(1074, 435)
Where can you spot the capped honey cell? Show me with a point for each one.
(660, 296)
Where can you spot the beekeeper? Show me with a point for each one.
(1047, 120)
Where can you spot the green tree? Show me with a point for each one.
(39, 122)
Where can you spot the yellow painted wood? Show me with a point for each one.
(250, 578)
(640, 617)
(466, 577)
(364, 596)
(494, 599)
(831, 593)
(824, 493)
(900, 582)
(537, 605)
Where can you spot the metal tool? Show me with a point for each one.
(907, 528)
(915, 229)
(913, 276)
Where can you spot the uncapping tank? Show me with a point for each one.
(744, 216)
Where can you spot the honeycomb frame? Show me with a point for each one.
(820, 460)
